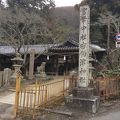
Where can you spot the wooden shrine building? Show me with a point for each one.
(60, 58)
(63, 58)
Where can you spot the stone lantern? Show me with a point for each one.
(17, 64)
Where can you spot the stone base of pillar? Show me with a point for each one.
(83, 92)
(84, 99)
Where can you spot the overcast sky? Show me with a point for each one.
(60, 3)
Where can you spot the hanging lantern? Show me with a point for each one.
(48, 57)
(64, 57)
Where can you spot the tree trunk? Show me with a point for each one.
(108, 37)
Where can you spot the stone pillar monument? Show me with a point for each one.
(31, 64)
(83, 94)
(83, 80)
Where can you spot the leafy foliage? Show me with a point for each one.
(66, 24)
(101, 11)
(105, 23)
(26, 22)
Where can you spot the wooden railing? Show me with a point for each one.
(33, 98)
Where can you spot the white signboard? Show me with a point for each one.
(84, 29)
(117, 44)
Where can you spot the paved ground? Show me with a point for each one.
(110, 116)
(107, 111)
(8, 99)
(6, 112)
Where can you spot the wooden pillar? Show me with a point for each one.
(57, 66)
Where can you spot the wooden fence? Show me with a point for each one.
(108, 87)
(33, 98)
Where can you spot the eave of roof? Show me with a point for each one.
(95, 48)
(26, 48)
(43, 47)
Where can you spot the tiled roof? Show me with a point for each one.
(73, 45)
(96, 48)
(28, 48)
(68, 45)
